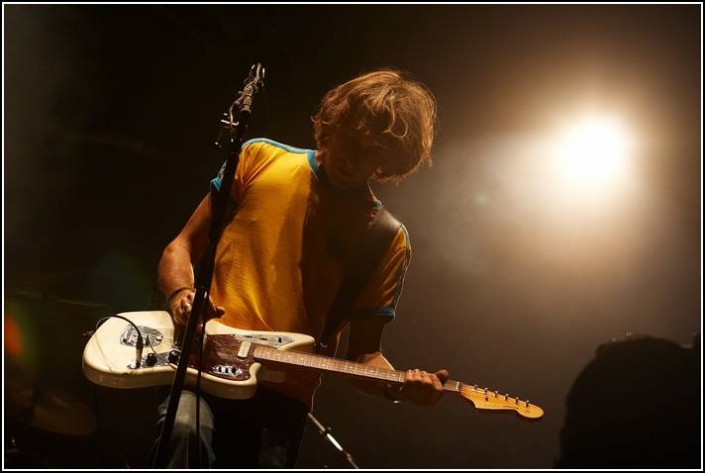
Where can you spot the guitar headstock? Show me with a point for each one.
(484, 399)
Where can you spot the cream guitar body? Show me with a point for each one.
(235, 360)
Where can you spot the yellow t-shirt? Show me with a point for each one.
(280, 259)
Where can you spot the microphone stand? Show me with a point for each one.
(325, 433)
(235, 132)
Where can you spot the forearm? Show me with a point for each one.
(419, 387)
(373, 387)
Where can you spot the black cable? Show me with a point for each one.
(140, 340)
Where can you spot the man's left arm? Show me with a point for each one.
(364, 346)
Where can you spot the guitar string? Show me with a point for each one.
(380, 373)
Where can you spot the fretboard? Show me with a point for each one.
(350, 368)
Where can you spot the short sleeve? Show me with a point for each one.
(381, 294)
(245, 171)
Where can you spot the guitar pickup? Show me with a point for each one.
(264, 339)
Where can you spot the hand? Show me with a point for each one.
(422, 388)
(181, 311)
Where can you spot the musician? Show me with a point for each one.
(294, 220)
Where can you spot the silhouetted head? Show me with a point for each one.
(635, 405)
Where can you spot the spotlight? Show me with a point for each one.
(594, 151)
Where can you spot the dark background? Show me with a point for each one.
(109, 116)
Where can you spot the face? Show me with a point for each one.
(349, 162)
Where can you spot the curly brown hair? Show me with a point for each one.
(388, 108)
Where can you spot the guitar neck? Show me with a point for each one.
(481, 398)
(350, 368)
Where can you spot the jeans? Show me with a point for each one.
(262, 432)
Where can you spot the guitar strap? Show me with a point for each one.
(365, 260)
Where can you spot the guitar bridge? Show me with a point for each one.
(152, 337)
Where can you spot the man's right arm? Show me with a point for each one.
(176, 278)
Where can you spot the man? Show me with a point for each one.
(294, 221)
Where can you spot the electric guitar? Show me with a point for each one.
(234, 360)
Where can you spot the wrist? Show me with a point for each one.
(176, 292)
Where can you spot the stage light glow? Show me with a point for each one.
(594, 152)
(13, 337)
